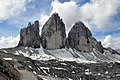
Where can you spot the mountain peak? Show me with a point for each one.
(55, 14)
(53, 33)
(29, 36)
(53, 36)
(80, 38)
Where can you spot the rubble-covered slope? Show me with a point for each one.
(64, 54)
(27, 68)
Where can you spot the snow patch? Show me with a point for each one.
(26, 54)
(68, 55)
(7, 58)
(5, 51)
(87, 72)
(34, 72)
(16, 53)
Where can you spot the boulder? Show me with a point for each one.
(53, 33)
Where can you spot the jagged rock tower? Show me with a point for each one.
(29, 36)
(80, 38)
(53, 33)
(53, 36)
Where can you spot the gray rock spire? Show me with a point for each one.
(80, 38)
(29, 36)
(53, 34)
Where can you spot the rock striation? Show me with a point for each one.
(53, 34)
(80, 38)
(29, 36)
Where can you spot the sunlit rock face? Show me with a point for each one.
(80, 38)
(53, 34)
(29, 36)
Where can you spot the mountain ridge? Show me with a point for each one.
(53, 56)
(79, 46)
(53, 36)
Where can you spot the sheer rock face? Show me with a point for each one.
(80, 38)
(30, 36)
(53, 34)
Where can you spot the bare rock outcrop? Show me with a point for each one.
(53, 33)
(29, 36)
(8, 71)
(53, 36)
(80, 38)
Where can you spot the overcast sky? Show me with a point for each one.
(102, 17)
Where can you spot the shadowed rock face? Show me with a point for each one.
(8, 71)
(30, 36)
(53, 34)
(80, 38)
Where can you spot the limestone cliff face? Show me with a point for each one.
(29, 36)
(53, 34)
(80, 38)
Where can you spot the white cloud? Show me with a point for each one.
(107, 42)
(10, 8)
(96, 14)
(68, 11)
(43, 19)
(100, 12)
(111, 41)
(6, 42)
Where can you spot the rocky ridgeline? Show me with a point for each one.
(29, 36)
(53, 36)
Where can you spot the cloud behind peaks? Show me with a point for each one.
(96, 14)
(68, 11)
(107, 42)
(6, 42)
(100, 13)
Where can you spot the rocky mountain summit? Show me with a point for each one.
(29, 36)
(80, 38)
(53, 35)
